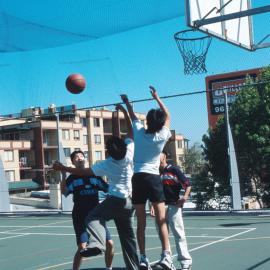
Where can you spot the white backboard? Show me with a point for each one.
(237, 31)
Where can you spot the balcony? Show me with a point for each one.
(11, 145)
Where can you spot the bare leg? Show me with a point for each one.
(160, 214)
(77, 260)
(141, 223)
(109, 253)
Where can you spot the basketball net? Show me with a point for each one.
(193, 50)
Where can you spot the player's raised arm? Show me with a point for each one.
(131, 113)
(58, 166)
(129, 125)
(162, 106)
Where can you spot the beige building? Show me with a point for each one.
(29, 145)
(176, 147)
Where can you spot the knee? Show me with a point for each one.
(109, 244)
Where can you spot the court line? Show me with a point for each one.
(14, 236)
(40, 226)
(36, 226)
(70, 262)
(214, 242)
(154, 228)
(119, 253)
(113, 235)
(221, 240)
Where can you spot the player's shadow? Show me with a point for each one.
(243, 224)
(102, 268)
(258, 264)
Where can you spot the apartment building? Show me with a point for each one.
(29, 143)
(176, 147)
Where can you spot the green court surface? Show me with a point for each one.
(235, 242)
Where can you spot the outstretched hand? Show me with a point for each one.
(124, 98)
(58, 166)
(153, 92)
(119, 107)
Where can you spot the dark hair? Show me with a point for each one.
(72, 155)
(116, 148)
(165, 153)
(155, 120)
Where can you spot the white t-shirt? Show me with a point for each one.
(119, 172)
(148, 148)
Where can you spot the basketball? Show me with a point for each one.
(75, 83)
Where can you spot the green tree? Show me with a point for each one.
(250, 122)
(193, 159)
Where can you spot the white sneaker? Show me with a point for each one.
(166, 262)
(144, 263)
(186, 267)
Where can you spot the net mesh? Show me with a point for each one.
(193, 50)
(33, 25)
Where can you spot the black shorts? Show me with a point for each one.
(147, 186)
(80, 229)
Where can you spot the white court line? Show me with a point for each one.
(14, 236)
(113, 235)
(66, 263)
(214, 242)
(40, 226)
(216, 228)
(118, 253)
(70, 226)
(224, 239)
(35, 226)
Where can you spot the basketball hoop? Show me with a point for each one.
(193, 50)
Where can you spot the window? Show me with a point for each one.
(98, 155)
(97, 139)
(83, 121)
(65, 134)
(11, 136)
(85, 139)
(10, 176)
(96, 122)
(180, 144)
(76, 135)
(67, 152)
(180, 158)
(86, 154)
(77, 149)
(8, 155)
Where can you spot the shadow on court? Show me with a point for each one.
(100, 268)
(258, 264)
(243, 224)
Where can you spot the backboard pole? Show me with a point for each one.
(235, 15)
(234, 176)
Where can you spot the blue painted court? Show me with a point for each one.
(236, 242)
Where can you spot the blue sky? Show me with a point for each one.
(123, 63)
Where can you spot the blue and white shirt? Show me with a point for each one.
(85, 190)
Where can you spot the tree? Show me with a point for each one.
(193, 159)
(250, 122)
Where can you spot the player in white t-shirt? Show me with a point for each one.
(118, 168)
(146, 182)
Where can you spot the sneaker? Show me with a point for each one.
(166, 262)
(144, 263)
(186, 267)
(90, 251)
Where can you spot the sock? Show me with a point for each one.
(143, 256)
(166, 252)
